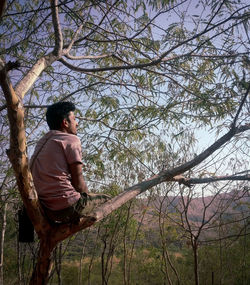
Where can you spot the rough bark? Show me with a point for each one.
(44, 265)
(18, 157)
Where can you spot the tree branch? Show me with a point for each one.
(161, 58)
(3, 4)
(57, 28)
(192, 181)
(29, 79)
(166, 175)
(88, 56)
(240, 107)
(73, 40)
(97, 25)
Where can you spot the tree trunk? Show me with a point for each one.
(19, 160)
(80, 280)
(58, 262)
(44, 265)
(3, 229)
(196, 269)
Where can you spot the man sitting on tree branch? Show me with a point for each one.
(56, 167)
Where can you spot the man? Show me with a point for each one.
(56, 167)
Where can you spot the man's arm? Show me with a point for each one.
(77, 178)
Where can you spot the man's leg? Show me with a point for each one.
(61, 216)
(82, 207)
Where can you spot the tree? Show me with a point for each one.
(135, 76)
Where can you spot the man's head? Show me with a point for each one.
(60, 116)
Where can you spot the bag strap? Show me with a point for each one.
(34, 158)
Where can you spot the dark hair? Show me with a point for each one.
(57, 112)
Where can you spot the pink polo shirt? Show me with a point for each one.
(50, 169)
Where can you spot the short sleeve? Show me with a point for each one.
(73, 151)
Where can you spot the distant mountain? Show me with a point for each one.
(232, 206)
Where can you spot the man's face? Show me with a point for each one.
(71, 127)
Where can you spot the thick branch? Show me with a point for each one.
(29, 79)
(57, 28)
(166, 175)
(205, 154)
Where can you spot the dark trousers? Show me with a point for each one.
(70, 214)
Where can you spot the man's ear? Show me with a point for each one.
(65, 123)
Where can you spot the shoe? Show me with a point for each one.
(93, 200)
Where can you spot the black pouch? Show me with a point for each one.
(25, 227)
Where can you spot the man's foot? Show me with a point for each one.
(93, 200)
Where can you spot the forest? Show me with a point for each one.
(161, 89)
